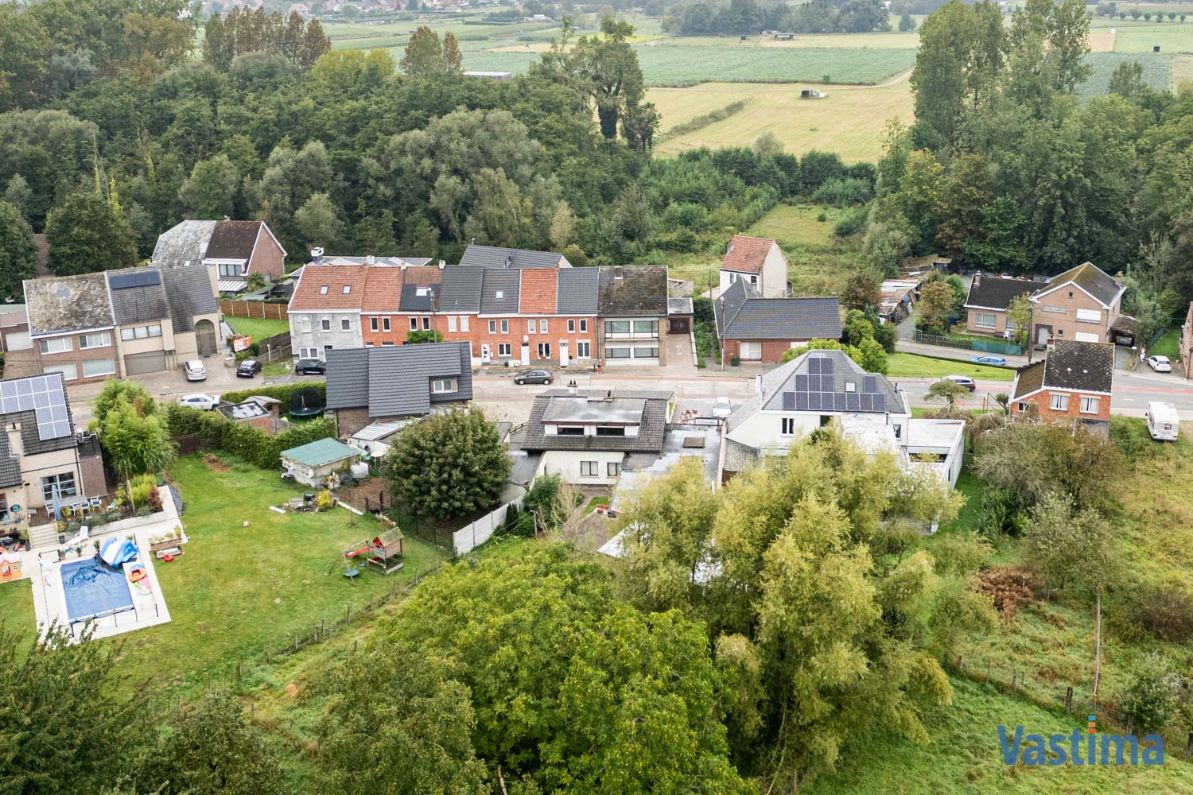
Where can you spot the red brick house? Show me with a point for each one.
(1186, 363)
(757, 329)
(1072, 385)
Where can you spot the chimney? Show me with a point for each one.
(316, 254)
(758, 384)
(977, 278)
(370, 260)
(618, 273)
(572, 387)
(442, 264)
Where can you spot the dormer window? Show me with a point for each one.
(347, 289)
(323, 290)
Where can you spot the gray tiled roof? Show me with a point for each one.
(650, 433)
(1080, 366)
(143, 303)
(396, 381)
(633, 292)
(413, 302)
(347, 378)
(183, 244)
(10, 465)
(67, 303)
(577, 291)
(498, 257)
(1090, 278)
(461, 289)
(188, 291)
(505, 282)
(995, 292)
(743, 315)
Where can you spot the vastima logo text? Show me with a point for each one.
(1080, 748)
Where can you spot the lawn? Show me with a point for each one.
(239, 589)
(1168, 345)
(1141, 37)
(912, 365)
(964, 756)
(16, 609)
(258, 328)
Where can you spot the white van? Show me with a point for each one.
(1163, 423)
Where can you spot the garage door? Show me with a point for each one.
(141, 363)
(1085, 336)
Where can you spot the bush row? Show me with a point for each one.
(282, 392)
(244, 441)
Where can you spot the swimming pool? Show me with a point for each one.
(93, 590)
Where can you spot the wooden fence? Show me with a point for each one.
(259, 309)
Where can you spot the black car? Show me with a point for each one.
(310, 367)
(533, 377)
(248, 368)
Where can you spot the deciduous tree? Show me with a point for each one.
(211, 190)
(87, 233)
(448, 465)
(17, 252)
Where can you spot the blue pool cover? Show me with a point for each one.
(93, 590)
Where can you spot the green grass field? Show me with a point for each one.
(256, 327)
(1168, 345)
(1157, 71)
(238, 589)
(963, 755)
(912, 365)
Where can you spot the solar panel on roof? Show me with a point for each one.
(869, 384)
(814, 401)
(853, 402)
(801, 383)
(826, 365)
(124, 281)
(839, 400)
(814, 365)
(867, 402)
(788, 401)
(880, 402)
(801, 401)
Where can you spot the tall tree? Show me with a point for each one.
(965, 195)
(453, 59)
(87, 233)
(448, 465)
(423, 56)
(318, 221)
(211, 190)
(608, 69)
(17, 252)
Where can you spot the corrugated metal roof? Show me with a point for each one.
(320, 452)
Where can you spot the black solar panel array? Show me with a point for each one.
(124, 281)
(44, 396)
(816, 390)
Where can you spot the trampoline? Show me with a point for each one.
(94, 590)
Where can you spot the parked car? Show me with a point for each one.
(721, 407)
(1160, 364)
(310, 367)
(533, 377)
(248, 368)
(195, 371)
(963, 380)
(199, 401)
(997, 361)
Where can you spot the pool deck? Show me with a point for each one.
(49, 599)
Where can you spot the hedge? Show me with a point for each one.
(244, 441)
(280, 392)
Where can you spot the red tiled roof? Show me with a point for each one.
(746, 254)
(538, 292)
(423, 276)
(383, 289)
(311, 296)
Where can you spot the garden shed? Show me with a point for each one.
(313, 463)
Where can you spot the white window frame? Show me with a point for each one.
(504, 349)
(345, 324)
(443, 386)
(542, 325)
(571, 327)
(304, 325)
(530, 326)
(543, 350)
(1058, 401)
(1090, 404)
(505, 327)
(85, 343)
(325, 324)
(463, 322)
(413, 324)
(69, 370)
(583, 349)
(60, 479)
(323, 289)
(787, 426)
(985, 320)
(55, 345)
(590, 469)
(308, 353)
(110, 367)
(372, 324)
(1089, 316)
(612, 469)
(385, 324)
(451, 323)
(492, 326)
(583, 326)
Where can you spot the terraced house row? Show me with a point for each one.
(543, 311)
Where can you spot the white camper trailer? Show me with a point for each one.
(1163, 423)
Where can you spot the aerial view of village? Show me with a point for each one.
(664, 396)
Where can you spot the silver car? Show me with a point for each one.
(195, 371)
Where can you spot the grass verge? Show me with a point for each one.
(913, 365)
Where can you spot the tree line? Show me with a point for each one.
(749, 17)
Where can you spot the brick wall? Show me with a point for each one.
(772, 350)
(1044, 411)
(478, 333)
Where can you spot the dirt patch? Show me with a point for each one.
(1101, 41)
(214, 463)
(588, 533)
(368, 495)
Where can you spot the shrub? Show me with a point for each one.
(844, 192)
(1164, 612)
(282, 392)
(245, 442)
(852, 222)
(1149, 701)
(1001, 513)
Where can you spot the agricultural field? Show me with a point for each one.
(850, 121)
(1157, 71)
